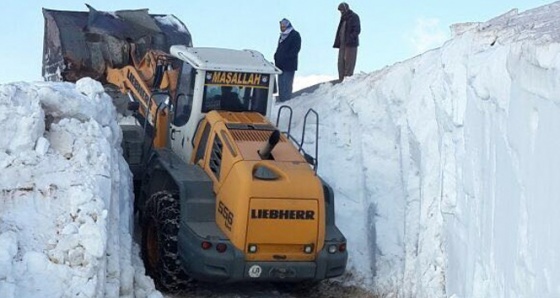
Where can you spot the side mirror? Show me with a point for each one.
(160, 99)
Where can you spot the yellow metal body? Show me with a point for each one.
(279, 216)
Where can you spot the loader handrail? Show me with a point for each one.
(289, 117)
(312, 160)
(315, 160)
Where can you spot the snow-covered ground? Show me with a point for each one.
(302, 82)
(445, 168)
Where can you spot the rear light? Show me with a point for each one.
(206, 245)
(332, 248)
(308, 248)
(252, 248)
(221, 247)
(342, 247)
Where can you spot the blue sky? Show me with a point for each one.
(392, 31)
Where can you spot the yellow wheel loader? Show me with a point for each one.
(223, 195)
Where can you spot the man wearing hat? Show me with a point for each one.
(286, 58)
(347, 41)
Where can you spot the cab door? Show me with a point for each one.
(186, 111)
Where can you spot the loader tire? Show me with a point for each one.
(161, 219)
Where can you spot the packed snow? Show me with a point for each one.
(65, 195)
(445, 168)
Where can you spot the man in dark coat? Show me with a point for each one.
(347, 41)
(286, 58)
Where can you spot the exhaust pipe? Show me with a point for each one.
(272, 141)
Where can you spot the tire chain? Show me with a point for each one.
(162, 208)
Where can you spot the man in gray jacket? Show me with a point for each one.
(347, 41)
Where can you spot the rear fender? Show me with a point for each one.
(156, 178)
(329, 202)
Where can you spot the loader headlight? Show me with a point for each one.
(332, 248)
(308, 248)
(252, 248)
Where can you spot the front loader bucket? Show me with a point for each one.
(83, 44)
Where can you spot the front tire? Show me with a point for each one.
(160, 227)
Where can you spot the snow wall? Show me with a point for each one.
(65, 195)
(446, 167)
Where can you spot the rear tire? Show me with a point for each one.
(160, 227)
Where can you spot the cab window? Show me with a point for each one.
(236, 92)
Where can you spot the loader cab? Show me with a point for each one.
(217, 79)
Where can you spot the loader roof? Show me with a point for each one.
(224, 59)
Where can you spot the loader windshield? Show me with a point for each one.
(236, 92)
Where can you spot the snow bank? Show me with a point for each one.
(446, 166)
(65, 195)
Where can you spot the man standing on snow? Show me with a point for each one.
(286, 58)
(347, 41)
